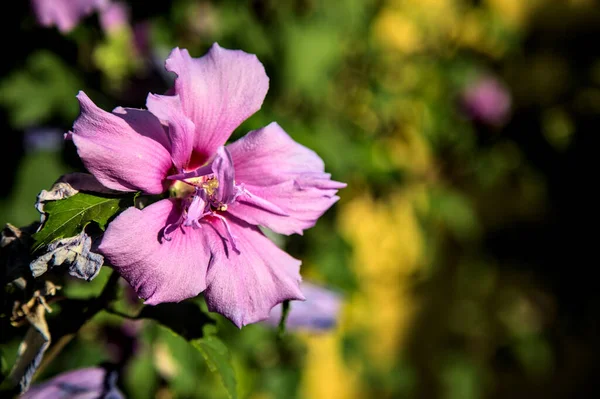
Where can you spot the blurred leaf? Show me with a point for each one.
(178, 363)
(44, 87)
(462, 379)
(313, 51)
(182, 366)
(535, 354)
(234, 18)
(219, 361)
(140, 377)
(116, 57)
(558, 127)
(329, 257)
(68, 217)
(79, 289)
(3, 366)
(39, 169)
(456, 212)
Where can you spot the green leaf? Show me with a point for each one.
(68, 217)
(140, 377)
(187, 320)
(219, 361)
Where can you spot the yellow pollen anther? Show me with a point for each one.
(222, 208)
(210, 186)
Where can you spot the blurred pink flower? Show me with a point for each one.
(487, 100)
(43, 138)
(319, 312)
(64, 14)
(114, 16)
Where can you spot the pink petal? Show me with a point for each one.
(181, 129)
(218, 92)
(224, 172)
(157, 269)
(278, 171)
(126, 150)
(245, 287)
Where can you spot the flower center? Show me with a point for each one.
(205, 192)
(207, 189)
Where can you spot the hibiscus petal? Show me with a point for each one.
(181, 128)
(157, 269)
(245, 286)
(222, 167)
(126, 150)
(276, 169)
(218, 92)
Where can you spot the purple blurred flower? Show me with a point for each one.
(88, 383)
(114, 16)
(487, 100)
(206, 236)
(43, 139)
(65, 14)
(318, 312)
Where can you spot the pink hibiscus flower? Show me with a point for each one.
(205, 238)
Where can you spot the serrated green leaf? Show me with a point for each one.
(219, 361)
(68, 217)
